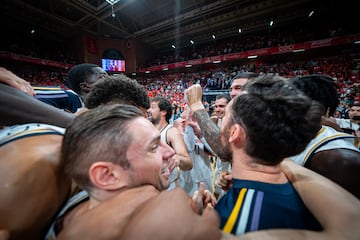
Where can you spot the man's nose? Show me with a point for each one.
(167, 151)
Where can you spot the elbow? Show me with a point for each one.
(187, 164)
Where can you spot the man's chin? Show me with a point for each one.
(165, 185)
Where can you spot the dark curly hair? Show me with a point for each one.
(117, 89)
(320, 88)
(279, 119)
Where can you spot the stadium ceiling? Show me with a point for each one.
(158, 23)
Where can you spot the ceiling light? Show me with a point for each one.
(112, 2)
(188, 65)
(311, 13)
(271, 23)
(299, 50)
(240, 30)
(357, 42)
(32, 31)
(252, 56)
(191, 41)
(165, 69)
(213, 36)
(147, 72)
(173, 46)
(217, 61)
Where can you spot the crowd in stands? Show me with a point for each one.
(300, 124)
(45, 78)
(343, 69)
(245, 42)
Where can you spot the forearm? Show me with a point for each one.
(210, 131)
(318, 193)
(17, 108)
(11, 79)
(185, 162)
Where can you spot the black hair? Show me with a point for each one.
(78, 74)
(164, 105)
(278, 118)
(320, 88)
(245, 75)
(223, 95)
(117, 89)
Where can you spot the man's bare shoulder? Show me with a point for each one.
(108, 219)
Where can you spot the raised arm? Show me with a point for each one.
(16, 108)
(211, 132)
(181, 156)
(11, 79)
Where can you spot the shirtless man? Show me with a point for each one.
(93, 158)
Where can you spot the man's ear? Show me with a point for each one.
(237, 135)
(105, 175)
(163, 113)
(84, 87)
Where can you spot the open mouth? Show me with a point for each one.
(165, 171)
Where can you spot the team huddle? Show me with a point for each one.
(270, 162)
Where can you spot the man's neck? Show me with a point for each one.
(354, 121)
(245, 168)
(161, 125)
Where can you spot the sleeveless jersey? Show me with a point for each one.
(60, 98)
(174, 173)
(13, 133)
(163, 133)
(252, 205)
(56, 227)
(327, 138)
(202, 170)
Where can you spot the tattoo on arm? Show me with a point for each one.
(210, 131)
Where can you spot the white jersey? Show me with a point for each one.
(326, 139)
(163, 133)
(12, 133)
(174, 173)
(203, 169)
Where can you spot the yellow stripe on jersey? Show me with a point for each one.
(235, 212)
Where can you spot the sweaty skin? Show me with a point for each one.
(31, 195)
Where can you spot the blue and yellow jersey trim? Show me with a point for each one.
(241, 213)
(28, 130)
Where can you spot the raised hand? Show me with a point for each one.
(193, 97)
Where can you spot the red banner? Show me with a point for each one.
(39, 61)
(334, 41)
(91, 45)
